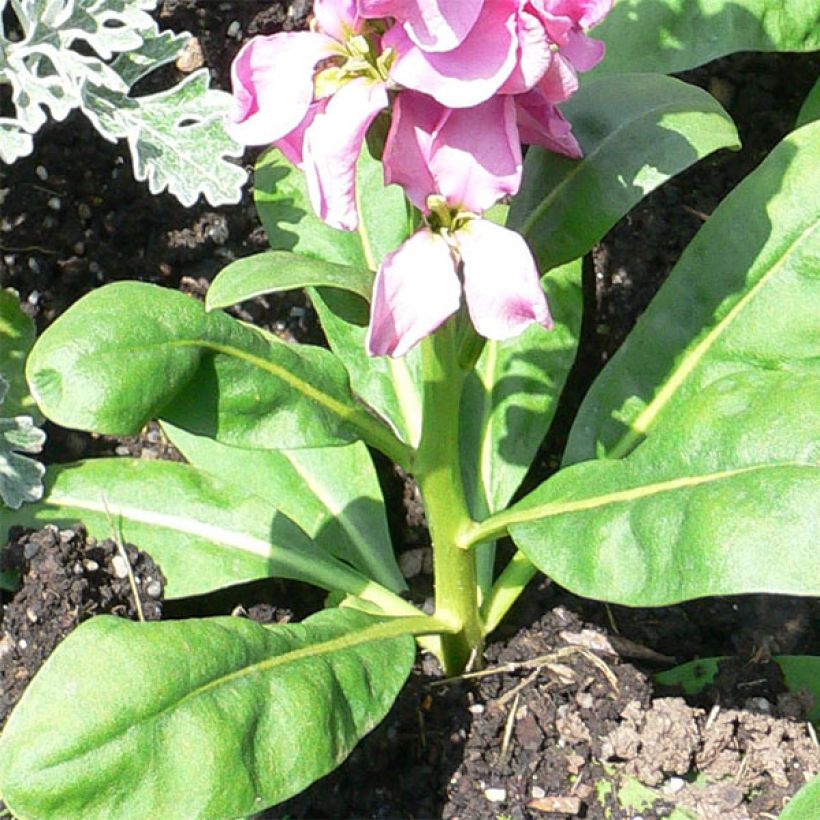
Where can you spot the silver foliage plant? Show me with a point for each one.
(60, 55)
(21, 477)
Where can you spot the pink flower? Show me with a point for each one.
(453, 165)
(469, 156)
(318, 119)
(417, 286)
(508, 48)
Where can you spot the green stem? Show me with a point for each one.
(506, 590)
(438, 472)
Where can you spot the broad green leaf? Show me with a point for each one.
(743, 297)
(810, 110)
(510, 399)
(667, 36)
(390, 386)
(803, 806)
(637, 131)
(284, 207)
(16, 338)
(218, 717)
(799, 672)
(332, 493)
(201, 531)
(131, 351)
(728, 482)
(282, 270)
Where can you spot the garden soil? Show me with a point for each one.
(565, 720)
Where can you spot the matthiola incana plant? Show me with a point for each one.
(445, 269)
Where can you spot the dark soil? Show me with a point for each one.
(66, 577)
(585, 725)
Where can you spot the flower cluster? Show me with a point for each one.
(465, 82)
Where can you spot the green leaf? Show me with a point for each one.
(803, 806)
(16, 338)
(810, 110)
(332, 493)
(201, 531)
(219, 717)
(728, 481)
(637, 131)
(130, 351)
(282, 270)
(667, 36)
(391, 387)
(284, 207)
(510, 399)
(799, 672)
(743, 297)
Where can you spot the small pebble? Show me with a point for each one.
(30, 550)
(674, 785)
(120, 567)
(495, 795)
(83, 211)
(22, 643)
(538, 792)
(477, 709)
(235, 30)
(79, 248)
(191, 57)
(33, 264)
(55, 203)
(91, 566)
(154, 589)
(31, 615)
(41, 172)
(77, 568)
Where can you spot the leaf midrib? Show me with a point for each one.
(584, 163)
(397, 627)
(500, 524)
(640, 426)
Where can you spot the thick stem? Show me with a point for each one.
(438, 472)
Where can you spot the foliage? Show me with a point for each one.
(21, 477)
(682, 477)
(60, 55)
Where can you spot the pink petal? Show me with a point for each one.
(560, 81)
(441, 25)
(332, 145)
(534, 55)
(407, 148)
(433, 25)
(292, 144)
(415, 291)
(501, 284)
(584, 13)
(541, 123)
(583, 52)
(266, 108)
(475, 158)
(336, 17)
(468, 74)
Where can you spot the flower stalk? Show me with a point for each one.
(438, 473)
